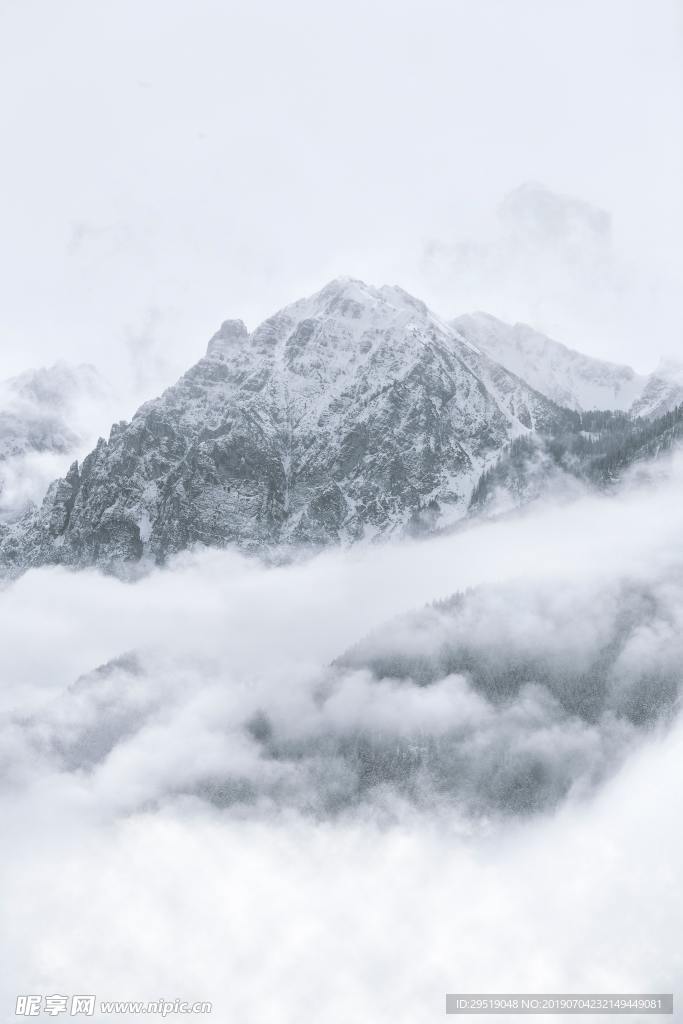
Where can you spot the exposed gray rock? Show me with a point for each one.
(351, 414)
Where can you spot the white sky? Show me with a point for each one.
(170, 163)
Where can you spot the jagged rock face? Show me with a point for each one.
(347, 415)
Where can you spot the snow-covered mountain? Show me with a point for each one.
(46, 415)
(567, 377)
(570, 378)
(352, 413)
(663, 391)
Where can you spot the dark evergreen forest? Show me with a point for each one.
(593, 446)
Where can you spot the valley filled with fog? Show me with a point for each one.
(222, 732)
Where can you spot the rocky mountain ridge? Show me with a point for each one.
(351, 414)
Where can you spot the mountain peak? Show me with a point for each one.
(350, 414)
(229, 333)
(344, 284)
(349, 298)
(342, 295)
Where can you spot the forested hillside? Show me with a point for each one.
(592, 446)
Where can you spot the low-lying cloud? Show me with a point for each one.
(213, 755)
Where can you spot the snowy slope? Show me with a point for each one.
(353, 413)
(663, 391)
(567, 377)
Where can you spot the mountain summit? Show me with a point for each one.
(354, 413)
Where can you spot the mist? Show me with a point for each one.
(169, 166)
(179, 789)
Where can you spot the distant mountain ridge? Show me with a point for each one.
(39, 409)
(568, 377)
(45, 418)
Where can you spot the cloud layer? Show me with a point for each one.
(220, 812)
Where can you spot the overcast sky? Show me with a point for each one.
(167, 164)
